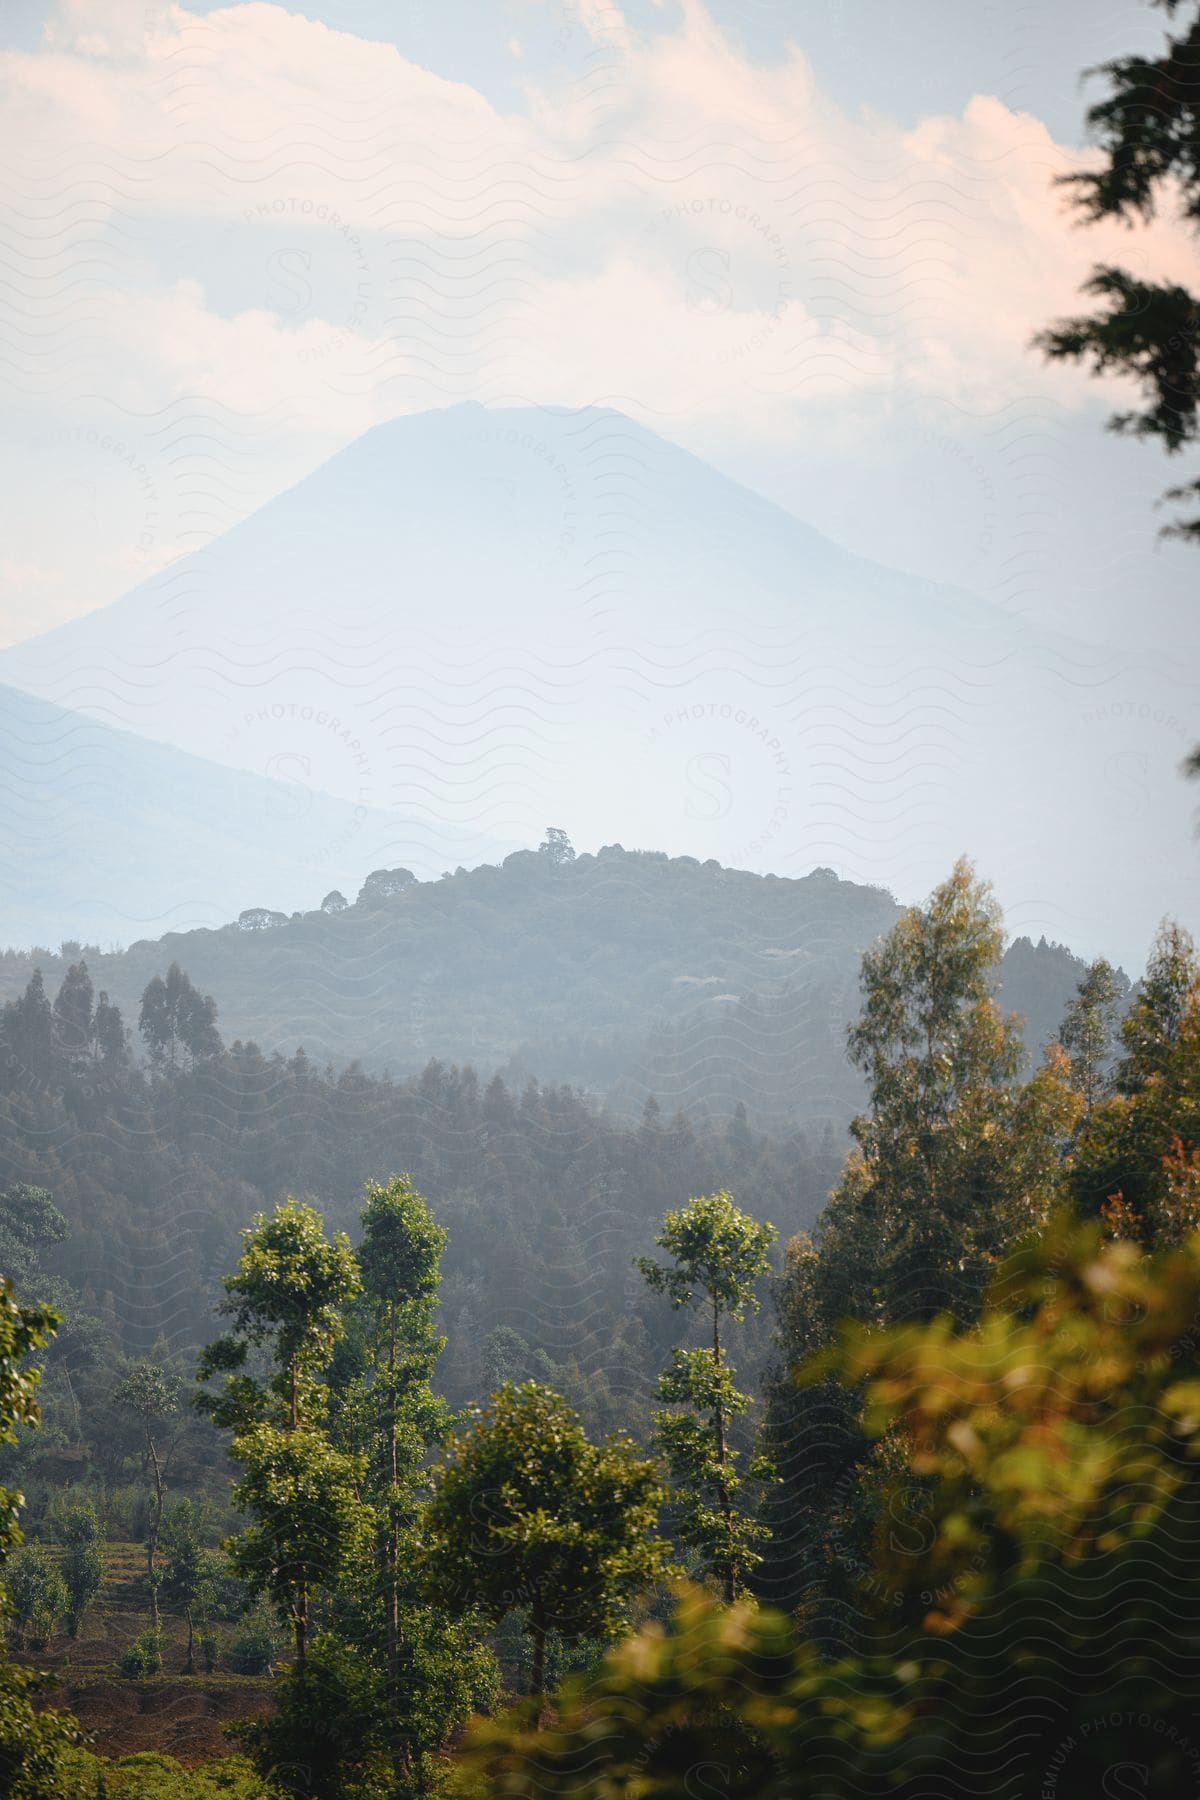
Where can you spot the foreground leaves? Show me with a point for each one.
(1041, 1630)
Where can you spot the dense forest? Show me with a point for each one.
(630, 973)
(369, 1405)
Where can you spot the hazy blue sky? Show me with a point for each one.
(904, 61)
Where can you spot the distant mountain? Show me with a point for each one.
(629, 973)
(486, 619)
(105, 836)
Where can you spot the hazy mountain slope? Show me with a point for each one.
(534, 614)
(105, 836)
(627, 972)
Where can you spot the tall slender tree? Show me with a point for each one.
(954, 1158)
(288, 1295)
(1137, 1159)
(718, 1254)
(73, 1013)
(176, 1016)
(1089, 1031)
(400, 1259)
(188, 1584)
(151, 1393)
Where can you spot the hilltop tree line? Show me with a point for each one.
(631, 973)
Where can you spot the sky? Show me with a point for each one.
(810, 243)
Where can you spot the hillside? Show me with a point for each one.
(106, 836)
(629, 973)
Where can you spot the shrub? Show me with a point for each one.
(253, 1650)
(37, 1596)
(144, 1657)
(329, 1736)
(83, 1564)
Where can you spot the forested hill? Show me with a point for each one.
(627, 972)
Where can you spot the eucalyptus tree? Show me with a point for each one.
(1089, 1030)
(717, 1256)
(399, 1417)
(287, 1299)
(151, 1392)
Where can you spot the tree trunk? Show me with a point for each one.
(153, 1530)
(300, 1614)
(401, 1748)
(300, 1623)
(537, 1631)
(722, 1477)
(191, 1650)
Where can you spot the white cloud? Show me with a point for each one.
(261, 217)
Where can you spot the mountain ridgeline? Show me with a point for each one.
(627, 973)
(106, 835)
(470, 620)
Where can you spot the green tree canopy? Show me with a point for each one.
(527, 1514)
(307, 1525)
(1137, 1158)
(189, 1578)
(717, 1254)
(29, 1223)
(1089, 1030)
(955, 1160)
(176, 1016)
(288, 1292)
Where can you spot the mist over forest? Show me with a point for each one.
(599, 830)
